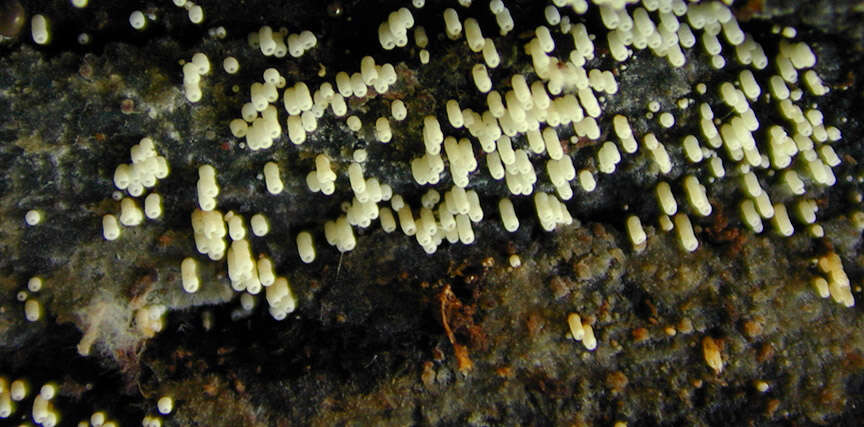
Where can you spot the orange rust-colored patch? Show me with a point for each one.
(617, 381)
(504, 372)
(458, 318)
(640, 334)
(749, 9)
(771, 407)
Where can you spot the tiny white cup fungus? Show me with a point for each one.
(137, 20)
(165, 405)
(33, 217)
(34, 284)
(40, 30)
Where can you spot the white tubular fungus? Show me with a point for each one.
(6, 405)
(32, 312)
(33, 217)
(586, 180)
(692, 149)
(265, 271)
(751, 184)
(608, 157)
(137, 20)
(481, 78)
(515, 261)
(406, 220)
(589, 102)
(588, 338)
(781, 220)
(696, 195)
(309, 121)
(750, 217)
(838, 282)
(305, 247)
(110, 227)
(666, 199)
(396, 202)
(814, 83)
(544, 38)
(821, 286)
(495, 104)
(764, 206)
(97, 419)
(34, 284)
(189, 275)
(454, 114)
(196, 14)
(463, 227)
(388, 222)
(420, 37)
(490, 54)
(432, 135)
(495, 166)
(635, 230)
(552, 143)
(475, 211)
(238, 128)
(368, 72)
(667, 120)
(829, 156)
(260, 225)
(385, 36)
(716, 167)
(242, 269)
(473, 35)
(505, 150)
(749, 85)
(504, 21)
(231, 65)
(207, 188)
(805, 210)
(296, 130)
(153, 206)
(793, 182)
(165, 405)
(508, 215)
(577, 332)
(382, 130)
(354, 123)
(398, 110)
(272, 178)
(322, 169)
(130, 213)
(685, 232)
(40, 30)
(281, 299)
(18, 390)
(430, 198)
(343, 84)
(355, 176)
(451, 23)
(642, 22)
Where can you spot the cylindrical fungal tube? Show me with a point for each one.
(685, 232)
(481, 78)
(635, 230)
(189, 275)
(305, 247)
(271, 178)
